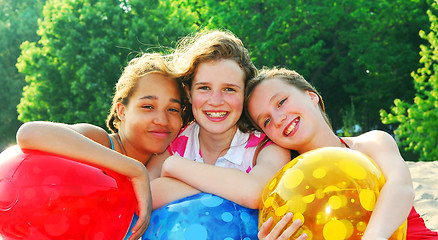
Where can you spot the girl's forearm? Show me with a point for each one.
(391, 211)
(63, 140)
(231, 184)
(60, 139)
(165, 190)
(397, 195)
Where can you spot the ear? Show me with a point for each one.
(314, 97)
(120, 108)
(186, 88)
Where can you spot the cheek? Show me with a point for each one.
(142, 119)
(252, 111)
(270, 132)
(175, 122)
(236, 102)
(198, 100)
(273, 133)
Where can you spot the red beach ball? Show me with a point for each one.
(47, 196)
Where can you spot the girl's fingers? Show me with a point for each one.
(302, 237)
(139, 228)
(144, 201)
(289, 231)
(142, 222)
(138, 225)
(279, 232)
(278, 228)
(264, 229)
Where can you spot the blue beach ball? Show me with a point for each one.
(202, 216)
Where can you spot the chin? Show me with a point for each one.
(281, 143)
(157, 150)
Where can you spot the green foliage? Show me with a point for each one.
(350, 127)
(18, 22)
(72, 70)
(351, 50)
(358, 53)
(418, 121)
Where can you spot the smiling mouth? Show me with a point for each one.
(291, 126)
(216, 114)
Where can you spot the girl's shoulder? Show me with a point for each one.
(179, 144)
(373, 136)
(93, 132)
(372, 140)
(189, 129)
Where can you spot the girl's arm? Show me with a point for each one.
(397, 195)
(232, 184)
(84, 142)
(166, 190)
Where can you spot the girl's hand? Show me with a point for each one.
(277, 232)
(144, 199)
(378, 238)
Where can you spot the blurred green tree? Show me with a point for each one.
(18, 22)
(71, 71)
(356, 52)
(418, 121)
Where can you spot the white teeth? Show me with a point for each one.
(216, 114)
(291, 127)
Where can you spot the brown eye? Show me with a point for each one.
(174, 110)
(203, 88)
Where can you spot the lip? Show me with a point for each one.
(217, 115)
(160, 133)
(292, 127)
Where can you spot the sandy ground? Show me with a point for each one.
(425, 180)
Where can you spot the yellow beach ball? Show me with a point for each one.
(332, 190)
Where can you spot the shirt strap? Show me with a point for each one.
(112, 145)
(342, 141)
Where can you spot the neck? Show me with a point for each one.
(125, 148)
(214, 146)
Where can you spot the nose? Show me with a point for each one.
(278, 118)
(161, 118)
(216, 98)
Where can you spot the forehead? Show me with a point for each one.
(273, 86)
(220, 71)
(157, 84)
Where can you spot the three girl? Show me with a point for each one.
(217, 152)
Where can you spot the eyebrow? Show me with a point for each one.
(209, 83)
(175, 101)
(152, 97)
